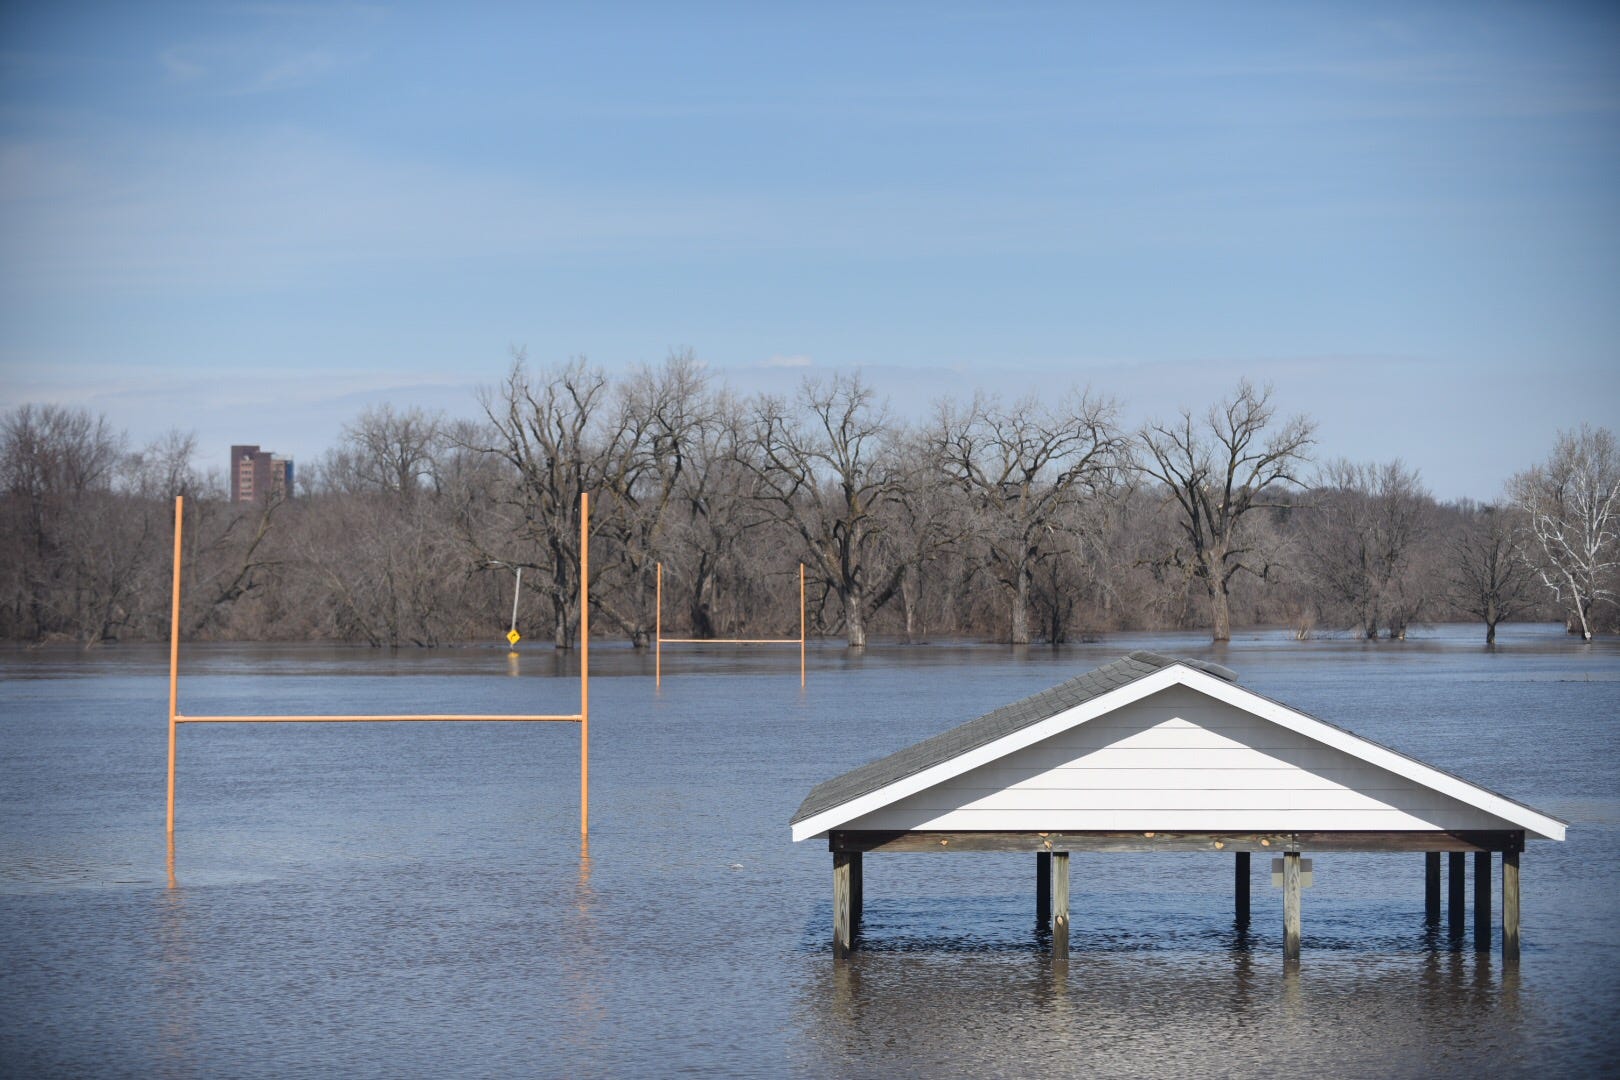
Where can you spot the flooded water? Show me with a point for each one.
(400, 900)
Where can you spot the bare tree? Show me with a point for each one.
(1573, 505)
(825, 469)
(652, 442)
(57, 468)
(380, 537)
(1365, 542)
(1024, 466)
(925, 521)
(394, 452)
(1490, 578)
(720, 505)
(1216, 473)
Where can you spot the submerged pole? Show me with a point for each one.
(1240, 887)
(517, 591)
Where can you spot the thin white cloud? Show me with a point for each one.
(293, 72)
(780, 361)
(181, 66)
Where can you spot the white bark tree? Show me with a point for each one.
(1573, 504)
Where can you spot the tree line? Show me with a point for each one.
(1042, 519)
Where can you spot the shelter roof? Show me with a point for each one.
(1029, 719)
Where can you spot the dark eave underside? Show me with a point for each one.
(1114, 842)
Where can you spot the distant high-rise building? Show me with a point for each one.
(258, 474)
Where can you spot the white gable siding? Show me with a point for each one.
(1178, 760)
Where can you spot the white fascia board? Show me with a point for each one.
(909, 785)
(1532, 821)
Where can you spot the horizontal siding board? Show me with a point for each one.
(1039, 759)
(1215, 777)
(1177, 799)
(1312, 758)
(892, 818)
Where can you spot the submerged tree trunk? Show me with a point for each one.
(1020, 606)
(1220, 614)
(908, 601)
(855, 618)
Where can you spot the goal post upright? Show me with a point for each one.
(584, 666)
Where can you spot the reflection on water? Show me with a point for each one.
(173, 986)
(972, 1014)
(385, 900)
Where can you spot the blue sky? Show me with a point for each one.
(253, 219)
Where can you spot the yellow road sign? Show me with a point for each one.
(513, 636)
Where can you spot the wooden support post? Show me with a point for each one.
(1291, 907)
(1510, 907)
(1454, 890)
(1060, 905)
(1240, 887)
(857, 894)
(1431, 885)
(843, 937)
(1043, 889)
(1482, 901)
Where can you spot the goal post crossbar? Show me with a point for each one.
(659, 640)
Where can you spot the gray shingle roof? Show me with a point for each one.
(990, 727)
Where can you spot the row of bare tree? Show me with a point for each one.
(1041, 519)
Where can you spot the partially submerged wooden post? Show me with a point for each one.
(1043, 890)
(857, 893)
(1431, 885)
(1482, 900)
(1455, 889)
(1060, 905)
(1069, 769)
(843, 920)
(1291, 918)
(1240, 887)
(1510, 907)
